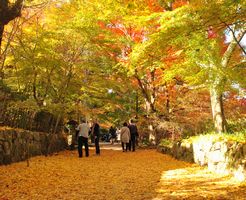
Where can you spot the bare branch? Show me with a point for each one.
(235, 37)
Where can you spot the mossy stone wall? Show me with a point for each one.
(18, 145)
(225, 157)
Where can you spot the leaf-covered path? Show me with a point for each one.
(140, 175)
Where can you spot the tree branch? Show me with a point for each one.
(228, 53)
(235, 37)
(9, 12)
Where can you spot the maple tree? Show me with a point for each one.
(144, 75)
(120, 59)
(200, 52)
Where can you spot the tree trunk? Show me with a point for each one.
(149, 98)
(57, 122)
(147, 106)
(167, 103)
(8, 12)
(217, 110)
(137, 106)
(215, 90)
(1, 37)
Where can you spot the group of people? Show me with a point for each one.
(84, 130)
(128, 135)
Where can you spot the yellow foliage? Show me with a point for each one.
(140, 175)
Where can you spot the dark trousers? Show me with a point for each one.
(97, 146)
(132, 143)
(82, 141)
(123, 146)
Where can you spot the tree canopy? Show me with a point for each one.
(116, 60)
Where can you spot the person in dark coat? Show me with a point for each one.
(134, 133)
(112, 132)
(96, 134)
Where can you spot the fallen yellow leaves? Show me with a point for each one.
(140, 175)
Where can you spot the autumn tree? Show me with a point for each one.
(207, 62)
(44, 67)
(111, 58)
(63, 66)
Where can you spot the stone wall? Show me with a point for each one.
(18, 145)
(223, 156)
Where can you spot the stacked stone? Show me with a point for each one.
(224, 157)
(18, 145)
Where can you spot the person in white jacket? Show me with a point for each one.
(118, 135)
(83, 135)
(125, 137)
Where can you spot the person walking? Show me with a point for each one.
(134, 133)
(124, 137)
(96, 134)
(83, 134)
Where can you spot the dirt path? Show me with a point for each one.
(140, 175)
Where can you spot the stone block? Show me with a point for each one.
(8, 135)
(222, 168)
(35, 149)
(36, 136)
(7, 159)
(13, 144)
(240, 173)
(189, 157)
(212, 166)
(216, 146)
(2, 137)
(1, 148)
(216, 156)
(1, 159)
(6, 147)
(14, 135)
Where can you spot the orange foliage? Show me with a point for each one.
(101, 24)
(154, 5)
(144, 174)
(179, 3)
(212, 33)
(173, 56)
(135, 82)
